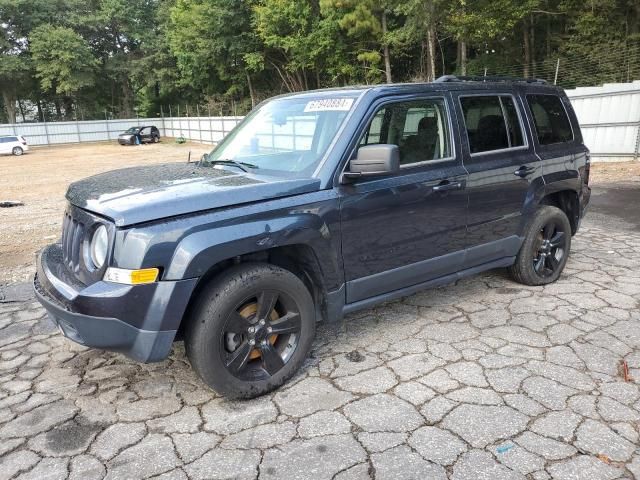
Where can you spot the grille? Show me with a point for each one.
(73, 233)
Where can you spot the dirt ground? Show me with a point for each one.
(615, 172)
(40, 179)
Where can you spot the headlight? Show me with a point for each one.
(99, 244)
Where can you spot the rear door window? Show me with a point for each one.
(492, 123)
(550, 119)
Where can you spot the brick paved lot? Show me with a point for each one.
(483, 380)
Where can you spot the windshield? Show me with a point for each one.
(286, 136)
(132, 130)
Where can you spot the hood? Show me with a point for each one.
(141, 194)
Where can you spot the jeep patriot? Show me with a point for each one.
(316, 205)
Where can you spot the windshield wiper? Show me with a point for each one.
(244, 166)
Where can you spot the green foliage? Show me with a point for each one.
(63, 60)
(112, 57)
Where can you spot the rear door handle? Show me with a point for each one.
(443, 187)
(524, 171)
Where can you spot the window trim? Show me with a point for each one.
(391, 101)
(533, 118)
(525, 137)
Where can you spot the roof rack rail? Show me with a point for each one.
(488, 78)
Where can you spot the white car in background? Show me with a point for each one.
(13, 144)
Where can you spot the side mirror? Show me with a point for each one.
(374, 160)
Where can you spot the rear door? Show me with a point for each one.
(7, 144)
(502, 166)
(556, 143)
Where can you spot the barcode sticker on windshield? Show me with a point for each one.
(329, 104)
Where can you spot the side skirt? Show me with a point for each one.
(436, 282)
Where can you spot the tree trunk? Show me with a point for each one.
(463, 57)
(423, 63)
(251, 92)
(68, 108)
(126, 101)
(526, 70)
(387, 56)
(431, 53)
(9, 100)
(40, 112)
(532, 44)
(56, 102)
(21, 110)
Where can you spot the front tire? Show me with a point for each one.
(250, 330)
(17, 151)
(545, 250)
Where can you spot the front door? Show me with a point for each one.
(404, 229)
(502, 165)
(145, 134)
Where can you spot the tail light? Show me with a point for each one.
(23, 140)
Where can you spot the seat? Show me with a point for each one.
(491, 134)
(421, 146)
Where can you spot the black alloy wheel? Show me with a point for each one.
(260, 335)
(250, 329)
(545, 249)
(550, 249)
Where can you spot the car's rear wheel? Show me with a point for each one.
(545, 249)
(156, 139)
(250, 330)
(17, 151)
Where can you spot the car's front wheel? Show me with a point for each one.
(545, 249)
(17, 151)
(250, 330)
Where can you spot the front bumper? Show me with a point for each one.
(139, 321)
(126, 140)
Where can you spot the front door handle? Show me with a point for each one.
(443, 187)
(524, 171)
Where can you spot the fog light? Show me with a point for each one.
(131, 277)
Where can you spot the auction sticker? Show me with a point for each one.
(329, 104)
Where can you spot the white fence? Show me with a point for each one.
(609, 117)
(200, 129)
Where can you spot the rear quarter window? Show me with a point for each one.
(550, 119)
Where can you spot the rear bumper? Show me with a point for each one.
(585, 196)
(138, 321)
(583, 199)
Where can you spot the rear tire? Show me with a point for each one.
(17, 151)
(545, 250)
(156, 139)
(253, 302)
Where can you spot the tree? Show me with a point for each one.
(214, 45)
(295, 38)
(367, 22)
(63, 60)
(14, 74)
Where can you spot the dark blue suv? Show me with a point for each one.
(318, 204)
